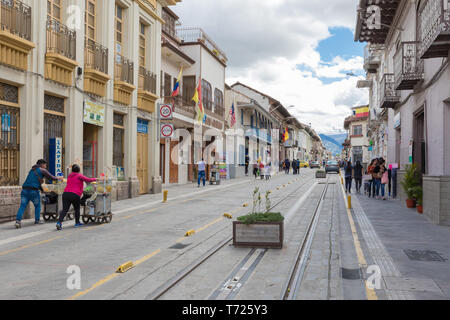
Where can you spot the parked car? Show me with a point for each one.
(304, 164)
(332, 166)
(314, 164)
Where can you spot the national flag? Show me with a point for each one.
(176, 88)
(286, 135)
(201, 117)
(233, 116)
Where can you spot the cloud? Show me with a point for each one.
(272, 46)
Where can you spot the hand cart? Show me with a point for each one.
(215, 175)
(52, 201)
(98, 203)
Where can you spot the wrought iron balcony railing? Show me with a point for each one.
(409, 69)
(15, 17)
(147, 80)
(388, 95)
(181, 107)
(372, 58)
(124, 69)
(433, 28)
(95, 56)
(61, 39)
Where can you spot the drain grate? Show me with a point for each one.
(179, 246)
(351, 274)
(424, 255)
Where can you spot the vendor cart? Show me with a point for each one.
(52, 201)
(215, 175)
(97, 207)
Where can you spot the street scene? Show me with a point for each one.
(198, 151)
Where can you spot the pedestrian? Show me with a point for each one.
(298, 166)
(247, 162)
(31, 191)
(294, 166)
(261, 170)
(384, 178)
(358, 173)
(201, 173)
(371, 181)
(267, 171)
(376, 174)
(255, 169)
(72, 195)
(348, 177)
(288, 166)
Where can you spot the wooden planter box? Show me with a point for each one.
(258, 235)
(321, 175)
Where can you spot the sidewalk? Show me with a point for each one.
(419, 250)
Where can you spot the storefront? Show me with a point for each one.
(94, 119)
(54, 133)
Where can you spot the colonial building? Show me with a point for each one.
(357, 126)
(411, 74)
(80, 76)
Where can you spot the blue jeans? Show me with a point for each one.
(377, 186)
(27, 196)
(202, 175)
(383, 190)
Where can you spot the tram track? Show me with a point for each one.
(184, 273)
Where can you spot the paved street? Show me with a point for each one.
(152, 235)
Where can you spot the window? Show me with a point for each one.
(54, 122)
(242, 117)
(90, 19)
(142, 44)
(207, 95)
(119, 31)
(118, 140)
(54, 10)
(9, 138)
(357, 130)
(169, 26)
(218, 101)
(188, 90)
(167, 85)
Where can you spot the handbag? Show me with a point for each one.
(385, 178)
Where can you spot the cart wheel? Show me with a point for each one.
(70, 216)
(86, 220)
(55, 216)
(99, 219)
(46, 217)
(108, 218)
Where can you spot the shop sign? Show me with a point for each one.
(94, 113)
(55, 154)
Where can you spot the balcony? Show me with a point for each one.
(15, 34)
(123, 80)
(181, 107)
(372, 58)
(147, 90)
(60, 59)
(409, 70)
(261, 134)
(389, 96)
(434, 29)
(95, 68)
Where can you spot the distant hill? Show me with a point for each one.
(332, 142)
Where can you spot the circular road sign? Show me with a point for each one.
(166, 111)
(167, 130)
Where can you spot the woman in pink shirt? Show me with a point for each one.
(72, 195)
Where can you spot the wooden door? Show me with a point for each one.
(173, 174)
(142, 162)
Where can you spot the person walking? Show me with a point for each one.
(384, 178)
(255, 169)
(267, 171)
(371, 181)
(376, 174)
(348, 177)
(201, 172)
(294, 166)
(357, 175)
(72, 195)
(31, 191)
(247, 162)
(261, 170)
(288, 166)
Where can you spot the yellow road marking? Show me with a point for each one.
(28, 246)
(209, 224)
(371, 295)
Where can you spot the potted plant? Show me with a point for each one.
(260, 228)
(409, 183)
(321, 174)
(418, 195)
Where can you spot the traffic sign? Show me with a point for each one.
(166, 112)
(167, 130)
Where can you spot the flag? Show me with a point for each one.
(176, 88)
(233, 116)
(285, 135)
(201, 116)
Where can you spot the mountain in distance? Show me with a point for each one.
(333, 142)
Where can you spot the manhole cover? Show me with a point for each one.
(179, 246)
(424, 255)
(351, 274)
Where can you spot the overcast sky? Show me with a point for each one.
(297, 51)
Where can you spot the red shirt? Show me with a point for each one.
(75, 183)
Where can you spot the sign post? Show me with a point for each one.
(167, 130)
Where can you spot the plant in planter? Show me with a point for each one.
(260, 229)
(321, 174)
(409, 183)
(418, 195)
